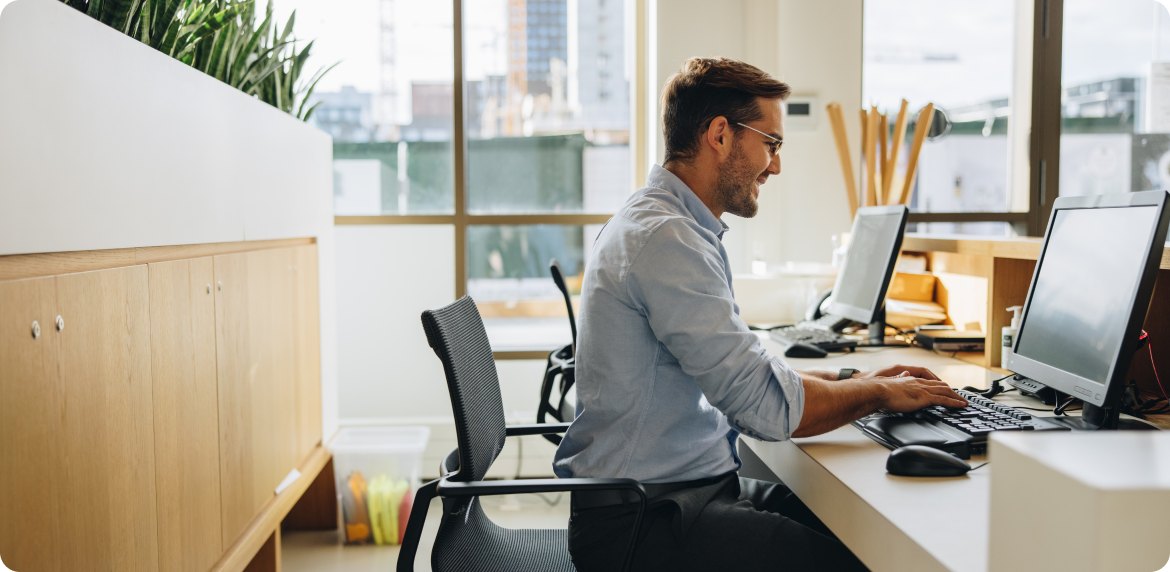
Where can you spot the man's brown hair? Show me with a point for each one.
(706, 88)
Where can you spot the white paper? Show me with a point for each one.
(292, 477)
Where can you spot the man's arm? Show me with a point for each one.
(831, 404)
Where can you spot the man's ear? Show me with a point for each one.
(719, 137)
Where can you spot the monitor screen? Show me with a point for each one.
(873, 250)
(1084, 289)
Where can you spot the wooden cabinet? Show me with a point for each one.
(106, 505)
(186, 414)
(151, 431)
(307, 340)
(30, 405)
(268, 411)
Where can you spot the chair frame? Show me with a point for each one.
(444, 487)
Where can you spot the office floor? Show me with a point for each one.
(304, 551)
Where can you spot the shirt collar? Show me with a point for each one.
(660, 178)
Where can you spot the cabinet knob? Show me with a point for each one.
(209, 288)
(219, 286)
(36, 330)
(60, 323)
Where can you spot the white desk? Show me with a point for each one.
(901, 524)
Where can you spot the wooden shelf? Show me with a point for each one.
(1020, 248)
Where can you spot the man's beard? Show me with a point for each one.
(733, 190)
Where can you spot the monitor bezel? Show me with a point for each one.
(1091, 391)
(867, 315)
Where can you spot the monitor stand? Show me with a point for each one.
(1094, 418)
(877, 333)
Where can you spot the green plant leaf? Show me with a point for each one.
(288, 28)
(309, 113)
(248, 51)
(309, 92)
(162, 21)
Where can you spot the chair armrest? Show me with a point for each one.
(446, 488)
(485, 488)
(538, 429)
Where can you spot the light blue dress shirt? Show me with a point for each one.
(667, 372)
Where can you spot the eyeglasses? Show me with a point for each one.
(773, 146)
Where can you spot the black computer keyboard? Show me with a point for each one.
(960, 431)
(799, 334)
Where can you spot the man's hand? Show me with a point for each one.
(831, 404)
(906, 392)
(897, 370)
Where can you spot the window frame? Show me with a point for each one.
(1044, 146)
(1044, 133)
(460, 220)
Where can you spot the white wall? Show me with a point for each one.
(816, 48)
(386, 277)
(107, 143)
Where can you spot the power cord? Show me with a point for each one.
(995, 389)
(1059, 409)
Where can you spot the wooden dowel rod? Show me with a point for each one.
(871, 159)
(837, 120)
(883, 159)
(921, 128)
(895, 145)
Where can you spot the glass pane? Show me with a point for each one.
(959, 56)
(1115, 126)
(388, 104)
(508, 276)
(548, 114)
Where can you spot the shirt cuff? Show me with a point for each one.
(793, 388)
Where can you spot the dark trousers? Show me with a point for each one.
(726, 523)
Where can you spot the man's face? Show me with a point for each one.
(751, 162)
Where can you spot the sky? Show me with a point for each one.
(348, 30)
(972, 43)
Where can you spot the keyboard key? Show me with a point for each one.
(980, 431)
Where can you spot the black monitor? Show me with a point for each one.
(1089, 296)
(860, 291)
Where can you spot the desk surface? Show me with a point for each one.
(891, 523)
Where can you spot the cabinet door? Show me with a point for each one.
(30, 405)
(257, 399)
(106, 505)
(307, 331)
(186, 414)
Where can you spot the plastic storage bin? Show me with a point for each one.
(377, 472)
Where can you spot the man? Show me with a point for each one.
(668, 375)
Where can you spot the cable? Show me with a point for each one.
(1150, 346)
(985, 463)
(995, 389)
(1059, 409)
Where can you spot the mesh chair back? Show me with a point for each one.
(456, 334)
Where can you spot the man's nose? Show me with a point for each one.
(774, 165)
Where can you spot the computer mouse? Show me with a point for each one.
(923, 461)
(805, 351)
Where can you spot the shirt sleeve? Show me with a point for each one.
(680, 283)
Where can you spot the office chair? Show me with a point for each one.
(468, 540)
(560, 367)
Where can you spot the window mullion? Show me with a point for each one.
(459, 149)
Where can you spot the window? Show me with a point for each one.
(1114, 129)
(530, 170)
(958, 56)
